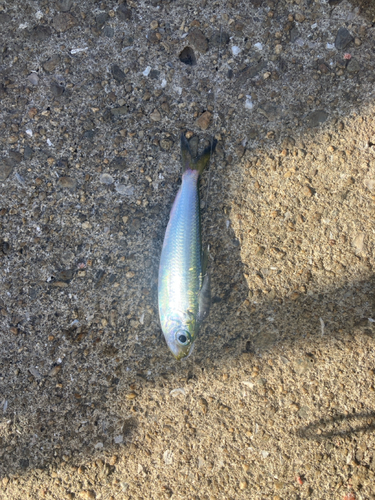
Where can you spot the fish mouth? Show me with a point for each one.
(180, 354)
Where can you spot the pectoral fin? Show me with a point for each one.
(204, 298)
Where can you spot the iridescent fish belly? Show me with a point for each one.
(181, 280)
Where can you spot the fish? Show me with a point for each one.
(184, 283)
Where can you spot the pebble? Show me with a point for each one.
(204, 121)
(168, 457)
(370, 184)
(125, 190)
(198, 40)
(358, 242)
(33, 79)
(243, 484)
(317, 117)
(54, 371)
(121, 110)
(64, 5)
(124, 13)
(87, 494)
(57, 89)
(271, 112)
(106, 179)
(219, 39)
(353, 66)
(67, 182)
(299, 17)
(118, 74)
(40, 33)
(63, 22)
(6, 168)
(101, 19)
(118, 163)
(343, 38)
(35, 372)
(51, 64)
(155, 116)
(307, 191)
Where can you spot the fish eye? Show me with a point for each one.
(183, 338)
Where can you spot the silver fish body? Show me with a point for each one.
(183, 290)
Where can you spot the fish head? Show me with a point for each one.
(180, 337)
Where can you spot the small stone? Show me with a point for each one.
(243, 484)
(307, 191)
(278, 48)
(118, 163)
(370, 184)
(54, 371)
(299, 17)
(353, 66)
(6, 168)
(358, 242)
(60, 284)
(198, 40)
(166, 144)
(343, 38)
(28, 152)
(108, 32)
(204, 121)
(294, 34)
(118, 439)
(121, 110)
(32, 112)
(64, 5)
(155, 116)
(86, 225)
(63, 22)
(154, 25)
(67, 182)
(33, 79)
(271, 112)
(35, 372)
(357, 42)
(101, 19)
(12, 139)
(40, 33)
(219, 39)
(118, 74)
(124, 13)
(317, 117)
(168, 457)
(87, 494)
(51, 64)
(125, 190)
(106, 179)
(57, 89)
(131, 395)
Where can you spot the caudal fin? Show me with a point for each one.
(199, 163)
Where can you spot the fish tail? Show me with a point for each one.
(199, 163)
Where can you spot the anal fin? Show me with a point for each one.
(204, 298)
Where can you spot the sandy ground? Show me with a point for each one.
(278, 399)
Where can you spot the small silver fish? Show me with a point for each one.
(184, 285)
